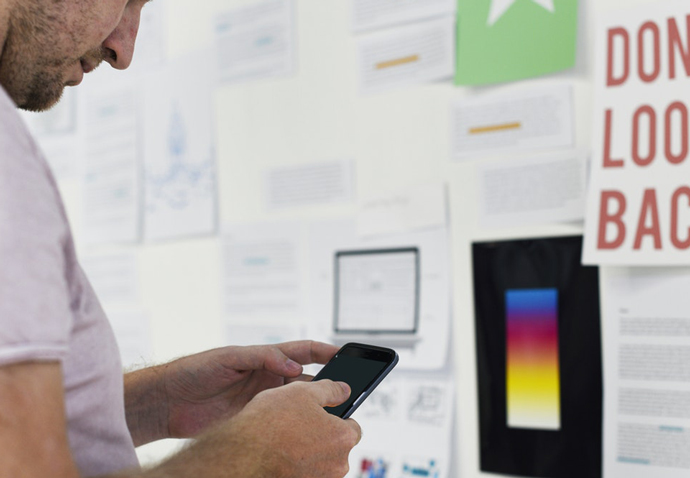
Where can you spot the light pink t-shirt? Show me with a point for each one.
(48, 310)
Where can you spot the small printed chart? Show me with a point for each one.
(179, 159)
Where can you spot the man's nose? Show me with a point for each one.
(120, 44)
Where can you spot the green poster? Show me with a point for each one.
(507, 40)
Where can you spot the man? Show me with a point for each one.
(65, 410)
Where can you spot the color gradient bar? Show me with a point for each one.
(532, 372)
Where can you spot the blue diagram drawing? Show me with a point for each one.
(185, 181)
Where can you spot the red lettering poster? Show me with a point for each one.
(638, 210)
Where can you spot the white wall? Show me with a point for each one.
(398, 139)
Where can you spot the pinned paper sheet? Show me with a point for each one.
(501, 7)
(112, 190)
(152, 38)
(371, 14)
(518, 120)
(262, 274)
(419, 207)
(537, 190)
(179, 151)
(422, 345)
(538, 358)
(406, 55)
(637, 210)
(646, 375)
(256, 41)
(508, 40)
(310, 184)
(408, 423)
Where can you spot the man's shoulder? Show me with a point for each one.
(25, 179)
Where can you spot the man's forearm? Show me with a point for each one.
(216, 453)
(146, 405)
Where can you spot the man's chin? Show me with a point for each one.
(40, 103)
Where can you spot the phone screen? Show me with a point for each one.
(361, 367)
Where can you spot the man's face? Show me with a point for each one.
(53, 43)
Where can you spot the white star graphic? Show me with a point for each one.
(499, 7)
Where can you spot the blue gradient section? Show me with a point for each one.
(531, 304)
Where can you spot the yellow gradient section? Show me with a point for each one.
(533, 396)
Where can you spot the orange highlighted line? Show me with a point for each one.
(495, 128)
(397, 62)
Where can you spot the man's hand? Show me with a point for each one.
(182, 398)
(282, 433)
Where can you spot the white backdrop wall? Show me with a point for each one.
(396, 139)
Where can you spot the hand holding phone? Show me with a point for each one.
(362, 367)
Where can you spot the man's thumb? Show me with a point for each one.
(329, 393)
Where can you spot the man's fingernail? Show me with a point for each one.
(293, 366)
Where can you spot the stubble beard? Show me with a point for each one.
(33, 80)
(32, 89)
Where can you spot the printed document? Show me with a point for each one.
(537, 190)
(262, 274)
(371, 14)
(179, 151)
(517, 120)
(256, 41)
(112, 191)
(646, 316)
(418, 207)
(310, 184)
(408, 423)
(408, 55)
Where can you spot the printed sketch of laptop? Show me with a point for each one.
(376, 297)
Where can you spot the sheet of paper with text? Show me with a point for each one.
(638, 206)
(646, 317)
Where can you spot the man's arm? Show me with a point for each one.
(146, 405)
(282, 432)
(33, 434)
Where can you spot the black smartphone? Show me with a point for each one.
(362, 367)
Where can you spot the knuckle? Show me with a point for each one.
(351, 438)
(298, 389)
(326, 383)
(265, 395)
(355, 435)
(335, 391)
(343, 469)
(275, 353)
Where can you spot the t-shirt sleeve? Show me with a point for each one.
(35, 312)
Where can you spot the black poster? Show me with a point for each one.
(521, 432)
